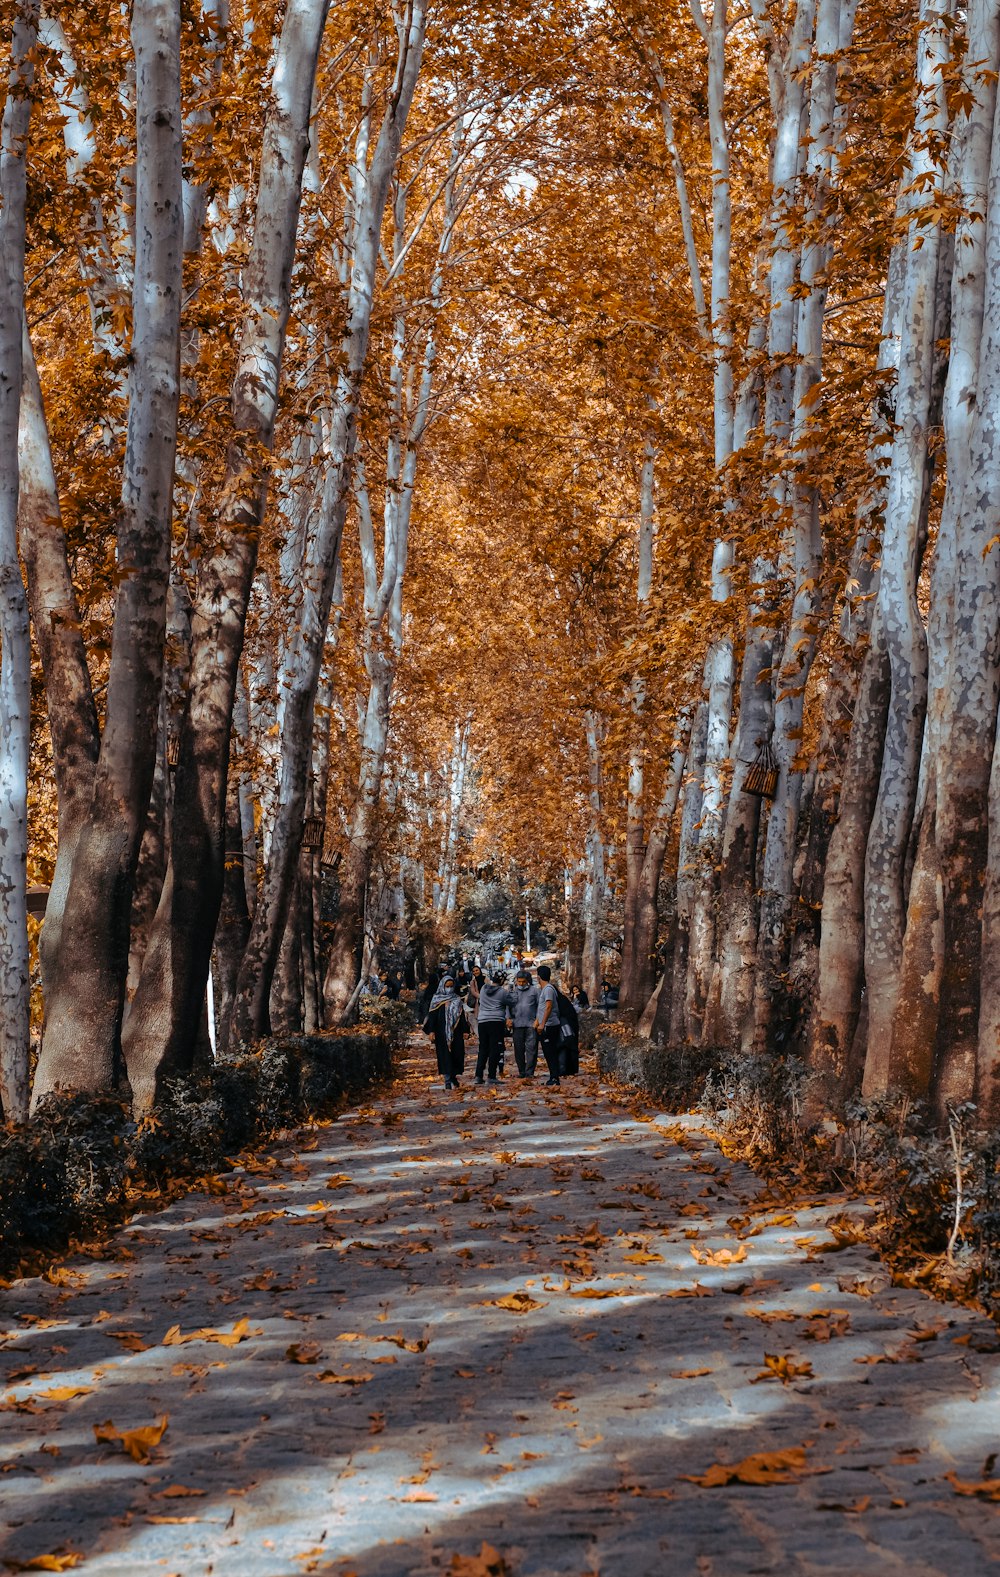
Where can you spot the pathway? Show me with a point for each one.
(516, 1318)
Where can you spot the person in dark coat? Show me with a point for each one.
(447, 1025)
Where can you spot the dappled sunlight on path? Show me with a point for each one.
(520, 1316)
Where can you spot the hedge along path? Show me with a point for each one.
(490, 1332)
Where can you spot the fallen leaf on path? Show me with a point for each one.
(763, 1467)
(419, 1495)
(328, 1377)
(689, 1374)
(592, 1237)
(304, 1352)
(340, 1181)
(488, 1563)
(65, 1393)
(130, 1339)
(721, 1256)
(137, 1443)
(44, 1563)
(604, 1292)
(782, 1368)
(853, 1508)
(240, 1332)
(644, 1258)
(982, 1489)
(151, 1516)
(59, 1276)
(517, 1302)
(697, 1291)
(177, 1492)
(824, 1325)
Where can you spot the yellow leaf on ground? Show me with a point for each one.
(137, 1443)
(517, 1302)
(177, 1492)
(697, 1291)
(782, 1368)
(65, 1393)
(44, 1563)
(721, 1256)
(689, 1374)
(130, 1339)
(59, 1276)
(488, 1563)
(419, 1495)
(763, 1467)
(644, 1258)
(240, 1332)
(327, 1377)
(304, 1352)
(983, 1489)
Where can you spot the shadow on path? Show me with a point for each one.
(383, 1412)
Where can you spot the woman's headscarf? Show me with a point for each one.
(453, 1005)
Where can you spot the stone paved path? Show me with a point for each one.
(509, 1336)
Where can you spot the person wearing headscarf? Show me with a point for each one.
(447, 1025)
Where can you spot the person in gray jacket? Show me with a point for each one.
(523, 1016)
(495, 1007)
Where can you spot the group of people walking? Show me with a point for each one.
(535, 1015)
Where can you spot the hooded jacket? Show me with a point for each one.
(525, 1007)
(495, 1004)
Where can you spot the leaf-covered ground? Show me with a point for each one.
(494, 1332)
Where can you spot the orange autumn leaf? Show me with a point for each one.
(779, 1367)
(763, 1467)
(304, 1352)
(328, 1377)
(516, 1302)
(64, 1393)
(488, 1563)
(45, 1563)
(240, 1332)
(689, 1374)
(980, 1489)
(136, 1443)
(722, 1256)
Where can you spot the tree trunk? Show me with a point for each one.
(15, 644)
(968, 588)
(347, 944)
(594, 891)
(842, 932)
(87, 981)
(905, 637)
(686, 856)
(166, 1009)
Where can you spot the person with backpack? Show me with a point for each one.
(548, 1025)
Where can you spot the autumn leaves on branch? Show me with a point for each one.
(489, 436)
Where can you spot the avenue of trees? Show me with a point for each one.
(558, 434)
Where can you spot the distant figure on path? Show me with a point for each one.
(524, 1013)
(548, 1025)
(447, 1025)
(495, 1007)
